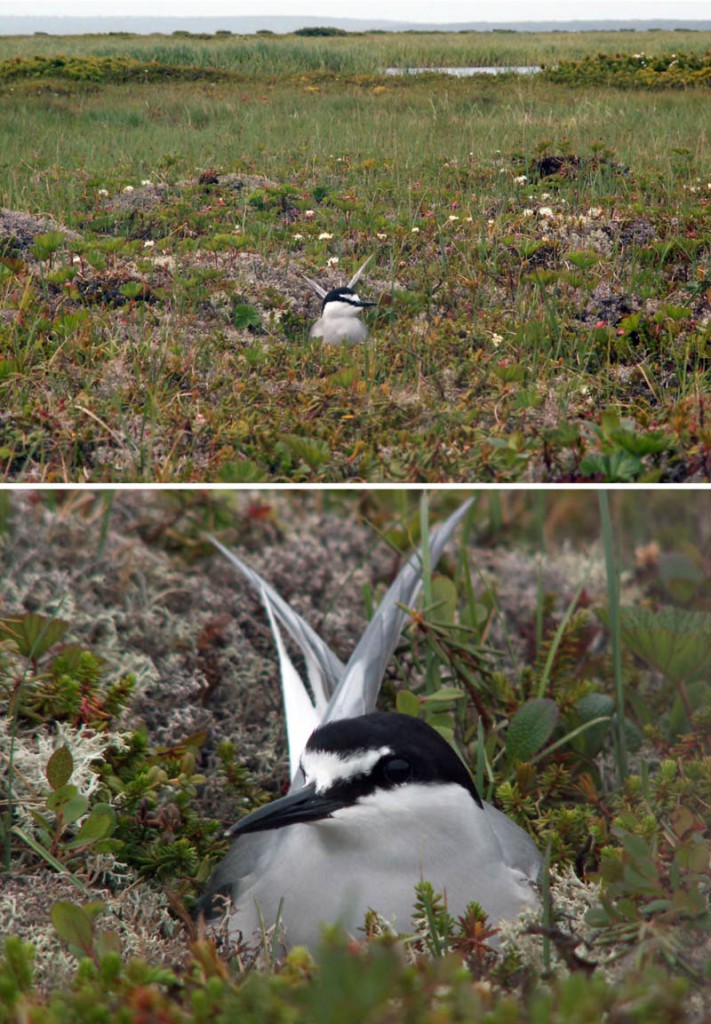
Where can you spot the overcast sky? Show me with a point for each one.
(408, 10)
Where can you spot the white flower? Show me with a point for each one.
(297, 237)
(453, 217)
(491, 221)
(149, 243)
(528, 212)
(522, 179)
(332, 261)
(76, 259)
(545, 195)
(415, 231)
(545, 211)
(129, 188)
(496, 340)
(146, 182)
(469, 219)
(103, 192)
(381, 235)
(324, 236)
(309, 214)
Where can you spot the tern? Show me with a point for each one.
(378, 800)
(340, 322)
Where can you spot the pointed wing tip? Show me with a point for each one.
(321, 292)
(357, 276)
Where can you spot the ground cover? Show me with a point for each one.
(357, 53)
(140, 710)
(540, 260)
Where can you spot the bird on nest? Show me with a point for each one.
(340, 322)
(378, 800)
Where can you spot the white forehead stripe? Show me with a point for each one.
(325, 767)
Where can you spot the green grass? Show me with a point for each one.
(506, 344)
(358, 53)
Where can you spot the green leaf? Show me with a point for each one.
(675, 642)
(75, 808)
(530, 728)
(583, 258)
(33, 634)
(108, 943)
(680, 575)
(407, 703)
(73, 925)
(619, 467)
(313, 452)
(444, 695)
(639, 445)
(61, 796)
(132, 289)
(245, 316)
(243, 472)
(60, 767)
(597, 917)
(94, 828)
(589, 707)
(446, 731)
(44, 245)
(444, 599)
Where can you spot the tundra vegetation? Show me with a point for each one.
(562, 645)
(540, 244)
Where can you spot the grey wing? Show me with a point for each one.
(518, 849)
(324, 668)
(246, 857)
(358, 690)
(321, 292)
(359, 272)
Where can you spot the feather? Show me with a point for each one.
(321, 292)
(358, 689)
(299, 711)
(358, 274)
(324, 669)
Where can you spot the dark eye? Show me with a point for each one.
(397, 770)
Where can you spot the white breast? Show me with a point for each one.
(339, 330)
(371, 856)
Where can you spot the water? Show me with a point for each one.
(466, 72)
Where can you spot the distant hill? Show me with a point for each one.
(22, 26)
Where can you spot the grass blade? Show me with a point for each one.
(613, 593)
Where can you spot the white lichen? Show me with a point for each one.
(29, 753)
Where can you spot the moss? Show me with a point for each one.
(135, 828)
